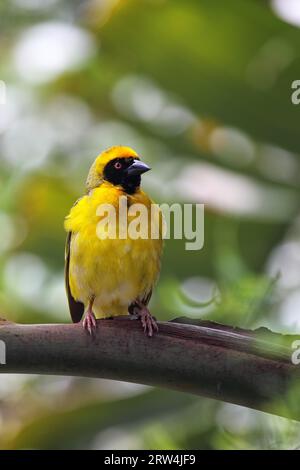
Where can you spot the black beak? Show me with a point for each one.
(137, 168)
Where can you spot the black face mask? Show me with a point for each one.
(125, 172)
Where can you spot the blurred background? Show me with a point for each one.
(202, 90)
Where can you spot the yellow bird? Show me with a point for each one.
(107, 276)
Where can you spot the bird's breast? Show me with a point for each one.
(114, 270)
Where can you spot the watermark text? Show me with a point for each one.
(2, 353)
(2, 92)
(140, 221)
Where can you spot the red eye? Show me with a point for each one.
(118, 165)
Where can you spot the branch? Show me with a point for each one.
(243, 367)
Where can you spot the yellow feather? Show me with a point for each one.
(114, 271)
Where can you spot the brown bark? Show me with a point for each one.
(242, 367)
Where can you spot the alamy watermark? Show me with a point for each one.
(2, 92)
(140, 221)
(295, 96)
(2, 353)
(295, 358)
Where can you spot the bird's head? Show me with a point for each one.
(120, 166)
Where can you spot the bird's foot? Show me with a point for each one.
(149, 323)
(89, 322)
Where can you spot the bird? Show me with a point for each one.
(107, 277)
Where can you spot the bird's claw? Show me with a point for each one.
(149, 323)
(89, 323)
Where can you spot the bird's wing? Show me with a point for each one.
(76, 308)
(147, 298)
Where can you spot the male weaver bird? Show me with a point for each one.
(113, 276)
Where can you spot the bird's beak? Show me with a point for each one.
(137, 168)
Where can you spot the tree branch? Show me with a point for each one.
(248, 368)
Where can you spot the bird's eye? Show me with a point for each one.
(118, 165)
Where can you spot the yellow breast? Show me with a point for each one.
(115, 271)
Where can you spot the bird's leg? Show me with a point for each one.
(148, 321)
(89, 322)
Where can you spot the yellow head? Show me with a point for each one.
(119, 166)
